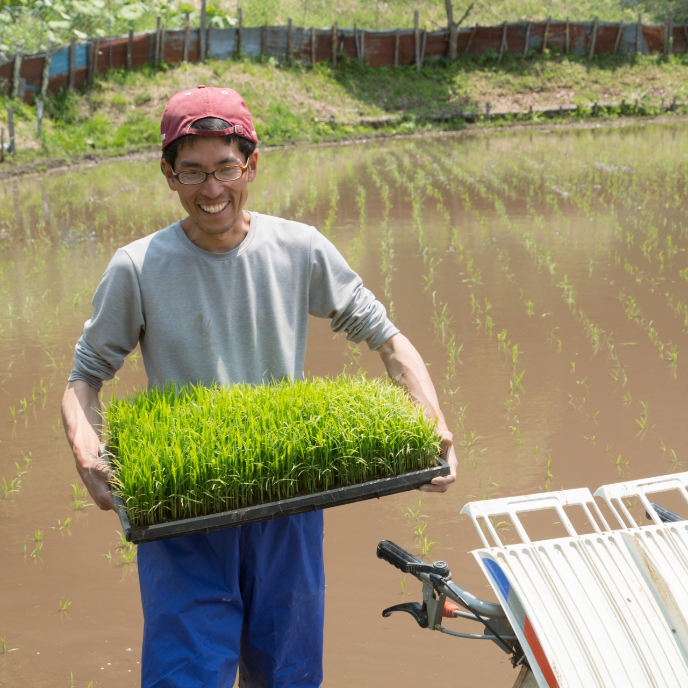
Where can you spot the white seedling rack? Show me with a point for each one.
(605, 609)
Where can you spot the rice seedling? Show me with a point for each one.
(186, 453)
(672, 355)
(675, 463)
(548, 475)
(79, 498)
(65, 527)
(642, 422)
(64, 604)
(37, 550)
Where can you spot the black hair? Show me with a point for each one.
(246, 147)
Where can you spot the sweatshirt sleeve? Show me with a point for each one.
(115, 326)
(337, 292)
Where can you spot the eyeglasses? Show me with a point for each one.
(225, 174)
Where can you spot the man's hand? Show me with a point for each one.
(442, 483)
(95, 473)
(82, 421)
(407, 369)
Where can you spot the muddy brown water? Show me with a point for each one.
(543, 277)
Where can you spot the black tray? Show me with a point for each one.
(286, 507)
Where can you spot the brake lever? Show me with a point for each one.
(417, 610)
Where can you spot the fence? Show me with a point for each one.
(31, 77)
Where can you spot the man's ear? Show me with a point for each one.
(167, 170)
(253, 166)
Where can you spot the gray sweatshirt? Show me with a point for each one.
(240, 316)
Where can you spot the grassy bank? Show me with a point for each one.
(298, 104)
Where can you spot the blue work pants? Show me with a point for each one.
(251, 597)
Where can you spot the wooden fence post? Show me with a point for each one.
(619, 33)
(416, 41)
(10, 127)
(470, 38)
(313, 45)
(46, 70)
(639, 34)
(593, 38)
(397, 40)
(685, 35)
(264, 41)
(529, 28)
(423, 43)
(335, 38)
(72, 62)
(16, 70)
(156, 50)
(187, 37)
(240, 32)
(358, 57)
(90, 63)
(546, 36)
(39, 118)
(568, 36)
(163, 34)
(290, 42)
(502, 46)
(669, 34)
(130, 47)
(201, 34)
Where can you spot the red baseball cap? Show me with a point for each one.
(184, 108)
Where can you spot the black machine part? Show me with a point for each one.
(436, 589)
(665, 515)
(408, 563)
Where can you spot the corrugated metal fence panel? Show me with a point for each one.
(252, 41)
(378, 46)
(222, 43)
(60, 60)
(32, 71)
(277, 42)
(174, 45)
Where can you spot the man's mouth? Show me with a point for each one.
(214, 209)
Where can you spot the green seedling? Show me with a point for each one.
(530, 308)
(549, 475)
(37, 536)
(3, 647)
(79, 498)
(65, 527)
(64, 604)
(642, 422)
(672, 355)
(402, 585)
(516, 383)
(37, 551)
(199, 450)
(627, 399)
(426, 547)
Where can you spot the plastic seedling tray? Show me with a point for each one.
(286, 507)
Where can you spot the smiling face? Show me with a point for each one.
(216, 221)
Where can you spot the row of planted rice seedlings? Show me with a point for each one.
(203, 450)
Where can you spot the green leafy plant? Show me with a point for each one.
(200, 450)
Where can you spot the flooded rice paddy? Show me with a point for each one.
(544, 278)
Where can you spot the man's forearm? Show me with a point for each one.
(81, 418)
(407, 369)
(82, 422)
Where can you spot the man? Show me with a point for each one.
(224, 296)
